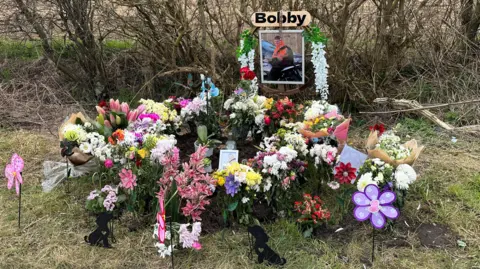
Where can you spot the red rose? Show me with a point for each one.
(246, 73)
(378, 127)
(267, 120)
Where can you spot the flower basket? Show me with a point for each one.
(374, 152)
(78, 157)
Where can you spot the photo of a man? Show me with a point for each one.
(282, 57)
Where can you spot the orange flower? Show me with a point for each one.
(111, 141)
(119, 135)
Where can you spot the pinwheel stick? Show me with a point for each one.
(19, 202)
(373, 244)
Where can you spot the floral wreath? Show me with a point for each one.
(312, 34)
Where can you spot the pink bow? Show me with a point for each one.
(13, 172)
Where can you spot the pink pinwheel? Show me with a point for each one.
(374, 205)
(13, 172)
(161, 221)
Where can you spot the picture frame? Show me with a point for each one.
(282, 54)
(227, 156)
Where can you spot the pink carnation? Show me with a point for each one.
(108, 163)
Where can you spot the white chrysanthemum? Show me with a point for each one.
(297, 141)
(85, 148)
(365, 180)
(289, 153)
(404, 176)
(245, 200)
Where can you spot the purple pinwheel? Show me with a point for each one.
(374, 205)
(13, 172)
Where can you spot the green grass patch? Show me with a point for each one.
(32, 49)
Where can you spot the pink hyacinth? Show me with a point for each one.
(129, 180)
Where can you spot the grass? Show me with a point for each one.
(54, 224)
(32, 49)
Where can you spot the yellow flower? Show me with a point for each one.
(268, 103)
(164, 116)
(220, 181)
(253, 178)
(317, 120)
(232, 168)
(142, 153)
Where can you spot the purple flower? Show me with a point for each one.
(374, 205)
(154, 117)
(231, 186)
(184, 102)
(238, 91)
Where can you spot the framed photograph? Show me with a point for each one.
(283, 57)
(226, 157)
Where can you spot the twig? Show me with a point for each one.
(387, 100)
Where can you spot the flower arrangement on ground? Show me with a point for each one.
(239, 185)
(386, 176)
(186, 189)
(311, 213)
(388, 147)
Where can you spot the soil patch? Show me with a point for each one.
(435, 235)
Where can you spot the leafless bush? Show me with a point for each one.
(426, 50)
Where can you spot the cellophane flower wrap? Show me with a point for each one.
(388, 148)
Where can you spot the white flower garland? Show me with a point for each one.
(247, 59)
(321, 69)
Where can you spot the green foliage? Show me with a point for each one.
(451, 116)
(418, 126)
(32, 49)
(314, 35)
(249, 43)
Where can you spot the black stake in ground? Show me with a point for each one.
(373, 244)
(68, 175)
(20, 202)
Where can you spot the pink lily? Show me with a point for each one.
(13, 172)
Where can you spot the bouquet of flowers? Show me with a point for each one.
(280, 113)
(166, 112)
(105, 200)
(388, 148)
(246, 113)
(386, 176)
(189, 187)
(323, 120)
(312, 213)
(241, 184)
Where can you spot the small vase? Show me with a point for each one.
(208, 168)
